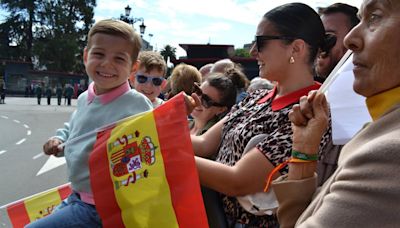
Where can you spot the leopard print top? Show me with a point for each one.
(246, 120)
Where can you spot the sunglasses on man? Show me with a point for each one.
(157, 81)
(206, 101)
(260, 40)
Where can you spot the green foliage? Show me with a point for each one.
(168, 51)
(18, 28)
(51, 32)
(241, 52)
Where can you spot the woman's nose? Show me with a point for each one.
(253, 50)
(353, 40)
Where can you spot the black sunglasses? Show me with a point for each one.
(157, 81)
(260, 40)
(206, 101)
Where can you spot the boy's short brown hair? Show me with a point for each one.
(150, 60)
(183, 78)
(117, 28)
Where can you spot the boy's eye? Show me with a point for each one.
(97, 53)
(120, 59)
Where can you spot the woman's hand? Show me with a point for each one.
(309, 122)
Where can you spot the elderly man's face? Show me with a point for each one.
(375, 45)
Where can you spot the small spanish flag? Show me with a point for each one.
(25, 211)
(143, 173)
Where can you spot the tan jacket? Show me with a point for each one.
(363, 192)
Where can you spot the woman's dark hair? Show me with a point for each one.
(225, 87)
(300, 21)
(237, 76)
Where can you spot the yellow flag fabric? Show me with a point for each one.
(143, 172)
(23, 212)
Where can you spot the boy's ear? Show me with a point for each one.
(85, 55)
(163, 84)
(132, 79)
(135, 67)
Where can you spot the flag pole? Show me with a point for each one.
(333, 75)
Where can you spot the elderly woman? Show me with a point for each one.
(288, 39)
(364, 190)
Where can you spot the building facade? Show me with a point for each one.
(199, 55)
(21, 78)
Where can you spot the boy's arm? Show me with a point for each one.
(61, 136)
(63, 133)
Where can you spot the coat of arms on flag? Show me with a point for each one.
(143, 172)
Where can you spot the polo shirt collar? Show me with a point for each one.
(107, 97)
(291, 98)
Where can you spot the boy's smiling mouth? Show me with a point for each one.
(105, 75)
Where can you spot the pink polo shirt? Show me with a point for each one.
(107, 97)
(104, 99)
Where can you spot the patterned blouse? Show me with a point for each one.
(258, 114)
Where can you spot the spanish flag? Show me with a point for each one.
(143, 173)
(25, 211)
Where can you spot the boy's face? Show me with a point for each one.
(108, 62)
(148, 83)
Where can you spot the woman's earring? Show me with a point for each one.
(291, 60)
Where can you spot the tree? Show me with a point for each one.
(241, 52)
(60, 40)
(19, 25)
(168, 51)
(51, 33)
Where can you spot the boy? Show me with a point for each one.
(149, 79)
(109, 58)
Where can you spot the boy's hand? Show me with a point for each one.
(191, 102)
(51, 147)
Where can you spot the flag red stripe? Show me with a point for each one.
(18, 214)
(184, 183)
(64, 191)
(101, 183)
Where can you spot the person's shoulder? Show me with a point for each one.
(255, 95)
(82, 98)
(137, 98)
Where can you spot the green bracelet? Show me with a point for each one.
(303, 156)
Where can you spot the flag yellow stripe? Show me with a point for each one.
(42, 205)
(143, 195)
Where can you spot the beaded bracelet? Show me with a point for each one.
(303, 156)
(281, 166)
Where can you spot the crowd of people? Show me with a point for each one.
(245, 131)
(68, 92)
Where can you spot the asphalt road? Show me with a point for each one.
(24, 127)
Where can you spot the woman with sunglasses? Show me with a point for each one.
(288, 39)
(217, 95)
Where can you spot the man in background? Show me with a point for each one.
(338, 20)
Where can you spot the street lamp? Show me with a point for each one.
(133, 20)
